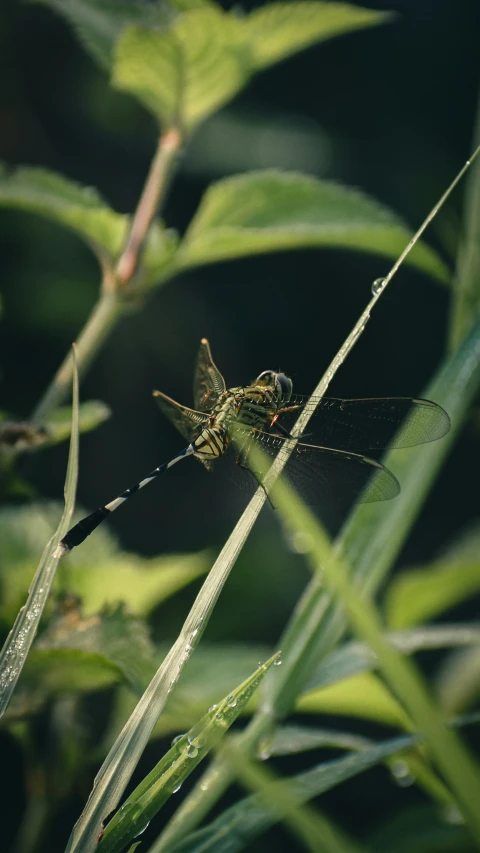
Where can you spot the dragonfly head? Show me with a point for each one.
(279, 382)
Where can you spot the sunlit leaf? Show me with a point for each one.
(419, 594)
(177, 765)
(290, 740)
(141, 581)
(361, 696)
(49, 194)
(271, 211)
(278, 30)
(91, 415)
(186, 72)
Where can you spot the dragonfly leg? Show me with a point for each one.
(243, 465)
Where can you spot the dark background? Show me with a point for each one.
(389, 110)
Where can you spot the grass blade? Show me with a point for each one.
(166, 778)
(20, 639)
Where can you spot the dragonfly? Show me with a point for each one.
(340, 467)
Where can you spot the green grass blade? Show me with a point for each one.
(20, 639)
(122, 759)
(405, 682)
(241, 824)
(166, 778)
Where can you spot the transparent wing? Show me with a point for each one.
(187, 421)
(208, 382)
(320, 475)
(371, 423)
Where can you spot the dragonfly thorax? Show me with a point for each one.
(252, 407)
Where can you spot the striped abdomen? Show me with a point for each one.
(210, 444)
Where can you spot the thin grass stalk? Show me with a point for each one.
(20, 639)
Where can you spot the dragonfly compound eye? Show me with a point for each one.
(267, 378)
(284, 387)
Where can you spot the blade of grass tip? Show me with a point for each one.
(20, 639)
(456, 385)
(171, 771)
(404, 680)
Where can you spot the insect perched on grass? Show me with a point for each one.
(335, 470)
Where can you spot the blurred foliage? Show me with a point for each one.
(358, 113)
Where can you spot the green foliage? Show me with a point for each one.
(187, 751)
(184, 73)
(246, 820)
(48, 194)
(420, 594)
(271, 211)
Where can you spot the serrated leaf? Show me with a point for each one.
(194, 67)
(278, 30)
(99, 23)
(120, 639)
(187, 72)
(270, 211)
(82, 209)
(177, 764)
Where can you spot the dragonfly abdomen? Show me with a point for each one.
(210, 444)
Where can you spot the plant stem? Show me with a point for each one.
(110, 306)
(154, 191)
(465, 303)
(95, 331)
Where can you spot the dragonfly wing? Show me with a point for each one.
(208, 383)
(370, 424)
(187, 421)
(321, 475)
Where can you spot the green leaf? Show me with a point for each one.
(99, 23)
(80, 208)
(419, 594)
(269, 211)
(278, 30)
(143, 582)
(185, 73)
(50, 673)
(177, 764)
(362, 696)
(118, 637)
(91, 415)
(421, 830)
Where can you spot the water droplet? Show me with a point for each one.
(260, 663)
(277, 661)
(142, 829)
(176, 740)
(175, 790)
(265, 748)
(219, 716)
(204, 786)
(192, 750)
(401, 773)
(212, 707)
(231, 700)
(453, 815)
(378, 286)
